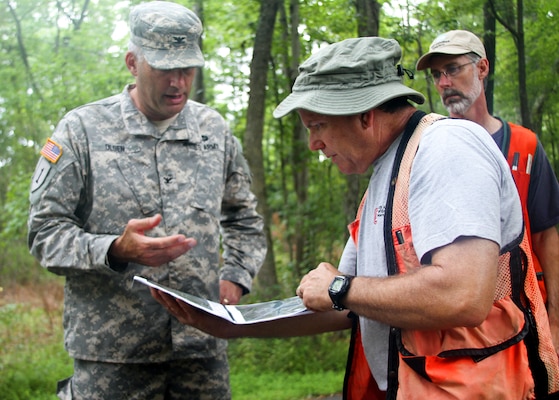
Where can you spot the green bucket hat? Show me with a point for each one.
(349, 77)
(168, 35)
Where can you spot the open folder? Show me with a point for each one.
(239, 314)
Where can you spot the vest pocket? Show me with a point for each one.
(505, 326)
(406, 258)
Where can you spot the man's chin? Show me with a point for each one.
(456, 111)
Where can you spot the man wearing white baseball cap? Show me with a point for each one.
(459, 68)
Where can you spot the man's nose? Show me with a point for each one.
(444, 81)
(178, 77)
(315, 144)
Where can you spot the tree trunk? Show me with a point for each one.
(267, 278)
(515, 25)
(23, 52)
(198, 91)
(298, 151)
(489, 40)
(367, 14)
(522, 89)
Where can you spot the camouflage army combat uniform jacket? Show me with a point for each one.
(115, 166)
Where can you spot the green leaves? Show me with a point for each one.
(57, 55)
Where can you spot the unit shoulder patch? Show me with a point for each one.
(41, 172)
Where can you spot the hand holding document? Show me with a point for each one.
(237, 314)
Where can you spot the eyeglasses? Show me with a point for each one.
(450, 71)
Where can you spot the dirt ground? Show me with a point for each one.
(46, 294)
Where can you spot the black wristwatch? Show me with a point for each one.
(338, 289)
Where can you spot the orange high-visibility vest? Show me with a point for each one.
(512, 345)
(519, 148)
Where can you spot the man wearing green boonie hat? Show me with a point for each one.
(413, 290)
(151, 183)
(349, 79)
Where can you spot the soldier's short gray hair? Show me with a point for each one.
(137, 51)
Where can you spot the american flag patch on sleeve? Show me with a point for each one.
(51, 151)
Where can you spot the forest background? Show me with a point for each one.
(58, 54)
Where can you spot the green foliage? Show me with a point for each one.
(325, 25)
(18, 267)
(19, 382)
(273, 386)
(15, 208)
(274, 369)
(52, 60)
(31, 337)
(290, 355)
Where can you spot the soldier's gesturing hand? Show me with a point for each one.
(134, 246)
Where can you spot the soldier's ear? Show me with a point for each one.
(131, 63)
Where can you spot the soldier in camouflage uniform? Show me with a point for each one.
(146, 183)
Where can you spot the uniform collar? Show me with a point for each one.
(184, 127)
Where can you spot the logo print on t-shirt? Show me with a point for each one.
(379, 212)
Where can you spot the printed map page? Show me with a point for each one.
(239, 314)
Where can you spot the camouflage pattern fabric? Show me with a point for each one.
(168, 34)
(114, 166)
(201, 379)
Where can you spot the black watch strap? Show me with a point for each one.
(338, 290)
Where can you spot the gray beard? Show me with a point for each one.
(460, 107)
(468, 98)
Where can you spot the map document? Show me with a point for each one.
(238, 314)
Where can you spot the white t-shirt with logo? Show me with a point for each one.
(460, 185)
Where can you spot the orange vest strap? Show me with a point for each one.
(519, 148)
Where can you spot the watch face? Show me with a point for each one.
(337, 284)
